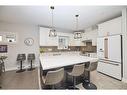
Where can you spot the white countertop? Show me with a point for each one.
(50, 62)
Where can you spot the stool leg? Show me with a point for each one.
(74, 84)
(31, 67)
(21, 66)
(21, 69)
(3, 66)
(74, 81)
(87, 84)
(31, 64)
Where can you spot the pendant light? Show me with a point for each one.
(77, 33)
(52, 32)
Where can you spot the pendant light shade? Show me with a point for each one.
(52, 32)
(77, 33)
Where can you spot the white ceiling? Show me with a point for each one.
(64, 16)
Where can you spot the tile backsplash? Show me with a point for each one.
(83, 49)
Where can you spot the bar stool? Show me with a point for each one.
(77, 70)
(21, 58)
(31, 58)
(53, 77)
(90, 66)
(0, 73)
(2, 58)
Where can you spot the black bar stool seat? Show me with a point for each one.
(21, 58)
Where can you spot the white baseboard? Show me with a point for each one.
(16, 68)
(11, 69)
(124, 80)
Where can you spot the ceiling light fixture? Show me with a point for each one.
(77, 33)
(52, 32)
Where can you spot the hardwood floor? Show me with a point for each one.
(104, 82)
(29, 80)
(24, 80)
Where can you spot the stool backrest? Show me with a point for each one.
(91, 66)
(21, 57)
(77, 70)
(54, 77)
(31, 56)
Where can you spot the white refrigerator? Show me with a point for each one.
(109, 52)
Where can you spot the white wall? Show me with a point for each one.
(22, 31)
(124, 33)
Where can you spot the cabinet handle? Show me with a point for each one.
(106, 47)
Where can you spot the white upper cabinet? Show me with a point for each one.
(90, 35)
(77, 42)
(111, 27)
(45, 40)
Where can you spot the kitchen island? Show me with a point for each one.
(53, 61)
(62, 60)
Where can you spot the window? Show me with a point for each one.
(0, 38)
(63, 42)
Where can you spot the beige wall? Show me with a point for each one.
(22, 31)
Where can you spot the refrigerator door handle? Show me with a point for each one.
(101, 50)
(106, 48)
(107, 62)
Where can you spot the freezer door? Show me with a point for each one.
(110, 68)
(114, 48)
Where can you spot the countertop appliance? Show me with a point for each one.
(109, 52)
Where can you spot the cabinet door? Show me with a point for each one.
(51, 41)
(114, 48)
(109, 69)
(45, 40)
(100, 47)
(43, 36)
(111, 27)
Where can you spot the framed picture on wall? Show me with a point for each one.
(3, 48)
(29, 41)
